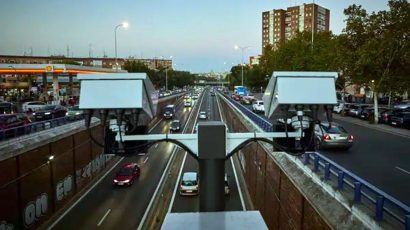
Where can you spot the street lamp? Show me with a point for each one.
(166, 76)
(243, 48)
(123, 25)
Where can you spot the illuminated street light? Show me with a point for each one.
(243, 48)
(123, 25)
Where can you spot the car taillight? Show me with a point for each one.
(350, 137)
(326, 137)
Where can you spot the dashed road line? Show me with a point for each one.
(103, 218)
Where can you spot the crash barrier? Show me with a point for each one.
(34, 127)
(362, 193)
(39, 179)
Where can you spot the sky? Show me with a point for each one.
(199, 35)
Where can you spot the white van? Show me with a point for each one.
(32, 106)
(189, 184)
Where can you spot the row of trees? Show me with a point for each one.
(373, 50)
(158, 77)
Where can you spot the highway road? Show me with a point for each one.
(191, 203)
(381, 158)
(108, 207)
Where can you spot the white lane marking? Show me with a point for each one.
(182, 165)
(103, 218)
(177, 184)
(403, 170)
(85, 194)
(144, 217)
(141, 154)
(233, 166)
(155, 125)
(146, 160)
(156, 146)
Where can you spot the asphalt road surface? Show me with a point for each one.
(109, 207)
(381, 158)
(191, 203)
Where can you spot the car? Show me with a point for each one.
(195, 96)
(258, 107)
(175, 126)
(355, 110)
(50, 112)
(202, 115)
(32, 106)
(400, 119)
(187, 103)
(74, 113)
(7, 107)
(212, 93)
(332, 135)
(8, 121)
(405, 105)
(236, 97)
(189, 184)
(368, 112)
(227, 187)
(127, 174)
(169, 111)
(339, 107)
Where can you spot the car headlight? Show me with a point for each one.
(66, 114)
(115, 181)
(34, 114)
(48, 113)
(77, 113)
(126, 181)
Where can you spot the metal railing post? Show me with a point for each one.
(327, 171)
(340, 177)
(357, 192)
(306, 158)
(379, 207)
(316, 163)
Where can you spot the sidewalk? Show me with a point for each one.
(380, 127)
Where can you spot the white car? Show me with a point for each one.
(187, 103)
(258, 107)
(189, 184)
(32, 106)
(339, 107)
(202, 115)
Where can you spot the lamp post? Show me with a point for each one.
(123, 25)
(166, 76)
(243, 48)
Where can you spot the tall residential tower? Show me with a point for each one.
(279, 25)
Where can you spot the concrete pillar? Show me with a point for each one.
(70, 85)
(211, 154)
(56, 90)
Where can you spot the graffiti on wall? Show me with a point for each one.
(35, 209)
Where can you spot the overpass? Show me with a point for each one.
(310, 190)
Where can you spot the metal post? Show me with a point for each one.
(115, 39)
(379, 207)
(242, 48)
(327, 171)
(211, 159)
(340, 177)
(357, 192)
(316, 163)
(166, 79)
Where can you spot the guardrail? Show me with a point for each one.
(363, 192)
(33, 127)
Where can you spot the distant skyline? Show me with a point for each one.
(200, 35)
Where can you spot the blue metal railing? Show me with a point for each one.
(344, 180)
(33, 127)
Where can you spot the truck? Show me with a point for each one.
(240, 90)
(169, 111)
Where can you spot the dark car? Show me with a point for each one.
(127, 174)
(386, 115)
(9, 122)
(50, 112)
(175, 126)
(7, 107)
(356, 110)
(400, 119)
(367, 113)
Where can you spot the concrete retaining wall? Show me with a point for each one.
(286, 197)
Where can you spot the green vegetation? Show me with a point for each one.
(175, 78)
(373, 46)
